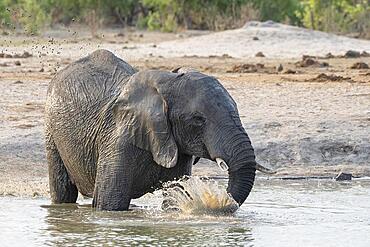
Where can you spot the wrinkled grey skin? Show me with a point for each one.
(114, 134)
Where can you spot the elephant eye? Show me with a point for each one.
(198, 120)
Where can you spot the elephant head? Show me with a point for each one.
(168, 113)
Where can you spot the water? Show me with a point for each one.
(193, 195)
(277, 213)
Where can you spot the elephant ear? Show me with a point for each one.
(141, 118)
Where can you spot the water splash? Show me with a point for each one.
(193, 195)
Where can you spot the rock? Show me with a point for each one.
(308, 61)
(365, 54)
(42, 70)
(352, 54)
(246, 68)
(290, 71)
(260, 54)
(324, 77)
(304, 57)
(17, 63)
(26, 54)
(343, 176)
(279, 68)
(120, 34)
(324, 64)
(329, 55)
(129, 47)
(272, 125)
(18, 82)
(360, 65)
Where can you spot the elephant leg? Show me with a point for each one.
(112, 185)
(62, 189)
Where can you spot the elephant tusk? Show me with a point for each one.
(263, 169)
(224, 167)
(222, 164)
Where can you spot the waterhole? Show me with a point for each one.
(276, 213)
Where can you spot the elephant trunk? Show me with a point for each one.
(242, 171)
(241, 183)
(238, 154)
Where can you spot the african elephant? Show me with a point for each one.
(114, 134)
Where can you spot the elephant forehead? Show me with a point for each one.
(210, 92)
(205, 85)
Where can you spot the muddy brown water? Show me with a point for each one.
(277, 213)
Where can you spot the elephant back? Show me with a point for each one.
(91, 79)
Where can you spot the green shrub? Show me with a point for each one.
(154, 22)
(279, 10)
(209, 14)
(5, 21)
(161, 14)
(142, 22)
(169, 15)
(32, 16)
(339, 16)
